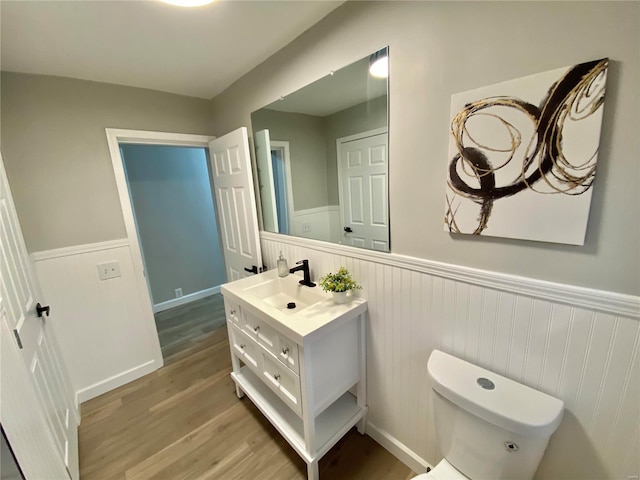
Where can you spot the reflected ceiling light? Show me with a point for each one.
(379, 64)
(188, 3)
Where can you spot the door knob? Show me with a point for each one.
(348, 229)
(40, 309)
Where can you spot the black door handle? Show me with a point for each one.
(40, 309)
(255, 269)
(348, 229)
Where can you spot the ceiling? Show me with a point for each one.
(190, 51)
(335, 92)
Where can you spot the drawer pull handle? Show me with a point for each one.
(232, 312)
(256, 328)
(276, 376)
(285, 350)
(242, 345)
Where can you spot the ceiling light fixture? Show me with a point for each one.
(188, 3)
(379, 64)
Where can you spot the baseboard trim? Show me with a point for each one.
(176, 302)
(398, 449)
(600, 300)
(78, 249)
(116, 381)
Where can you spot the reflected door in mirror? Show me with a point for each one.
(299, 185)
(363, 190)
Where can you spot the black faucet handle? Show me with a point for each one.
(302, 262)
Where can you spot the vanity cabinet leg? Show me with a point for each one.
(313, 472)
(361, 388)
(362, 425)
(235, 364)
(239, 392)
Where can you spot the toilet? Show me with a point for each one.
(487, 426)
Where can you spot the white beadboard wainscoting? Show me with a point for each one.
(577, 344)
(105, 328)
(323, 223)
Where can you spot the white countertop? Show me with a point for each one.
(303, 326)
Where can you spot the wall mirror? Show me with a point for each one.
(322, 157)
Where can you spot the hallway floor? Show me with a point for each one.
(182, 327)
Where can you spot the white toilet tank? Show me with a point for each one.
(487, 426)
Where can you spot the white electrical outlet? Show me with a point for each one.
(108, 270)
(178, 292)
(306, 227)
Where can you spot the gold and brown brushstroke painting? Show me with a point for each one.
(505, 145)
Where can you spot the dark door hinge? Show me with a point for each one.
(17, 335)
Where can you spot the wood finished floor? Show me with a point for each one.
(183, 327)
(184, 421)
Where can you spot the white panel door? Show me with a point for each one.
(265, 181)
(236, 203)
(363, 192)
(33, 340)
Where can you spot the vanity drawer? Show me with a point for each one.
(261, 331)
(232, 312)
(287, 353)
(282, 381)
(245, 348)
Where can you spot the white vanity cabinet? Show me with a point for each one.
(304, 370)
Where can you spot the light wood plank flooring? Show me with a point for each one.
(184, 421)
(182, 327)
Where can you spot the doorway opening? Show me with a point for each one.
(175, 218)
(229, 176)
(117, 139)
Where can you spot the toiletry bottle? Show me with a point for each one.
(283, 268)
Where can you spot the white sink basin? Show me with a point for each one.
(268, 295)
(286, 294)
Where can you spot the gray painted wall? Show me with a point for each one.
(357, 119)
(55, 151)
(176, 219)
(441, 48)
(312, 144)
(305, 134)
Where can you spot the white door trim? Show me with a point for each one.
(283, 146)
(361, 135)
(114, 138)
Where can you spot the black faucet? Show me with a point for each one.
(304, 266)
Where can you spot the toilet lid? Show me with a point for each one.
(443, 471)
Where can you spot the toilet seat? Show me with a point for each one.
(443, 471)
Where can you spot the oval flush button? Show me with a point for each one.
(486, 383)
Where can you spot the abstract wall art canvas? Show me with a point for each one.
(523, 154)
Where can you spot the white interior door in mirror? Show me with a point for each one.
(266, 181)
(363, 170)
(346, 102)
(236, 203)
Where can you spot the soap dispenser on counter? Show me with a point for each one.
(283, 268)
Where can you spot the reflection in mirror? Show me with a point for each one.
(322, 158)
